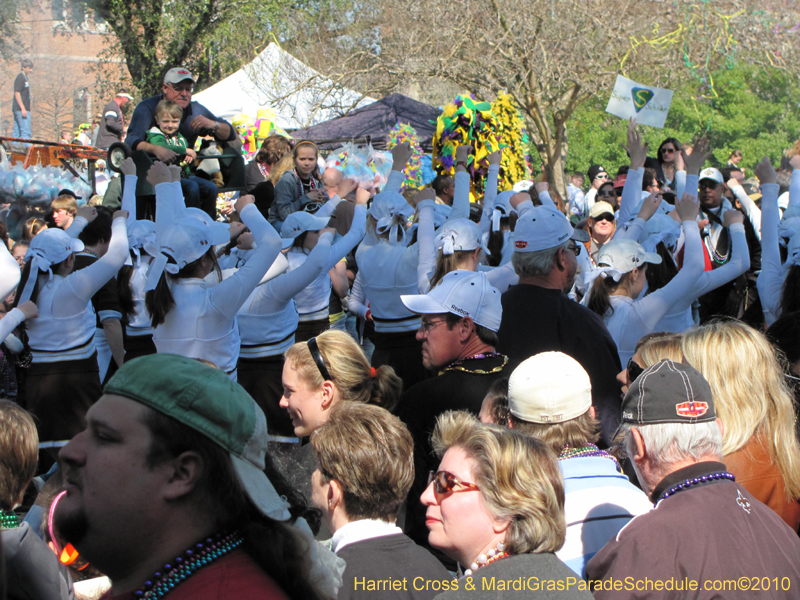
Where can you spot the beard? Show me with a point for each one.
(72, 527)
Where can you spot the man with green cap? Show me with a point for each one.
(166, 492)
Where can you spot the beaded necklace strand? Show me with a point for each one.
(8, 519)
(312, 185)
(587, 450)
(201, 554)
(688, 483)
(493, 555)
(457, 365)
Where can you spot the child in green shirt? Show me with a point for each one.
(165, 133)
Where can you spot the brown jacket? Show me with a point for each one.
(755, 469)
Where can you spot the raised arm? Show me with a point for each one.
(650, 309)
(357, 303)
(228, 296)
(9, 272)
(358, 228)
(169, 196)
(401, 154)
(85, 215)
(490, 191)
(631, 191)
(751, 210)
(287, 286)
(770, 280)
(424, 201)
(461, 192)
(543, 191)
(79, 286)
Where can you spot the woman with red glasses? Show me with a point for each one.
(496, 505)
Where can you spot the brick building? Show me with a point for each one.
(65, 43)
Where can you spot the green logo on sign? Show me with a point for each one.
(641, 97)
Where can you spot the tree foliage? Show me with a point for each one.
(10, 44)
(754, 110)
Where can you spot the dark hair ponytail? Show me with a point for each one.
(159, 301)
(600, 295)
(790, 294)
(124, 291)
(660, 275)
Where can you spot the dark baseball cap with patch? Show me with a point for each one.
(668, 392)
(596, 170)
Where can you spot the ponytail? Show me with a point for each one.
(600, 294)
(386, 387)
(159, 301)
(125, 293)
(446, 263)
(790, 293)
(659, 275)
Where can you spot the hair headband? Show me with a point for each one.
(317, 356)
(306, 143)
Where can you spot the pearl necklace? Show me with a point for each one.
(493, 555)
(685, 485)
(8, 519)
(585, 451)
(186, 565)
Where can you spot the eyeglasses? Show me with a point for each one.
(667, 150)
(605, 217)
(426, 326)
(445, 483)
(609, 193)
(574, 248)
(634, 370)
(708, 183)
(182, 89)
(602, 176)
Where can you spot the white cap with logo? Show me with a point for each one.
(550, 387)
(625, 255)
(711, 173)
(178, 74)
(542, 228)
(463, 293)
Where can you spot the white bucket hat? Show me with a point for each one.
(385, 206)
(460, 234)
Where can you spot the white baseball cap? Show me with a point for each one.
(463, 293)
(549, 387)
(178, 74)
(460, 234)
(298, 223)
(711, 173)
(185, 241)
(522, 186)
(48, 247)
(625, 256)
(544, 227)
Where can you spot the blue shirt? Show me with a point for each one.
(144, 117)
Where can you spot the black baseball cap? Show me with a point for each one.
(66, 192)
(668, 392)
(594, 171)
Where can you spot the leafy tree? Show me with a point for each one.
(10, 45)
(754, 110)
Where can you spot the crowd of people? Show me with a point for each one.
(351, 392)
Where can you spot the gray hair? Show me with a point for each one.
(670, 443)
(536, 264)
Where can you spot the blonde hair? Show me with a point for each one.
(65, 202)
(655, 347)
(170, 108)
(575, 433)
(518, 478)
(752, 400)
(446, 263)
(349, 369)
(284, 164)
(19, 447)
(370, 452)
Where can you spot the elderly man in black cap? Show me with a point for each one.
(707, 537)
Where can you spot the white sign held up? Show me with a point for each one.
(647, 104)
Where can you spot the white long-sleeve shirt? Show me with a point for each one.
(268, 319)
(202, 323)
(770, 280)
(313, 301)
(631, 319)
(66, 325)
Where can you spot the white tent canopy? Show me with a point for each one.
(300, 96)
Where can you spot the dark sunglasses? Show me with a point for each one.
(667, 150)
(708, 183)
(609, 193)
(445, 483)
(634, 370)
(605, 217)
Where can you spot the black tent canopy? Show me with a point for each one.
(373, 122)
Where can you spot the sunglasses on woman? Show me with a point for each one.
(634, 370)
(445, 483)
(605, 217)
